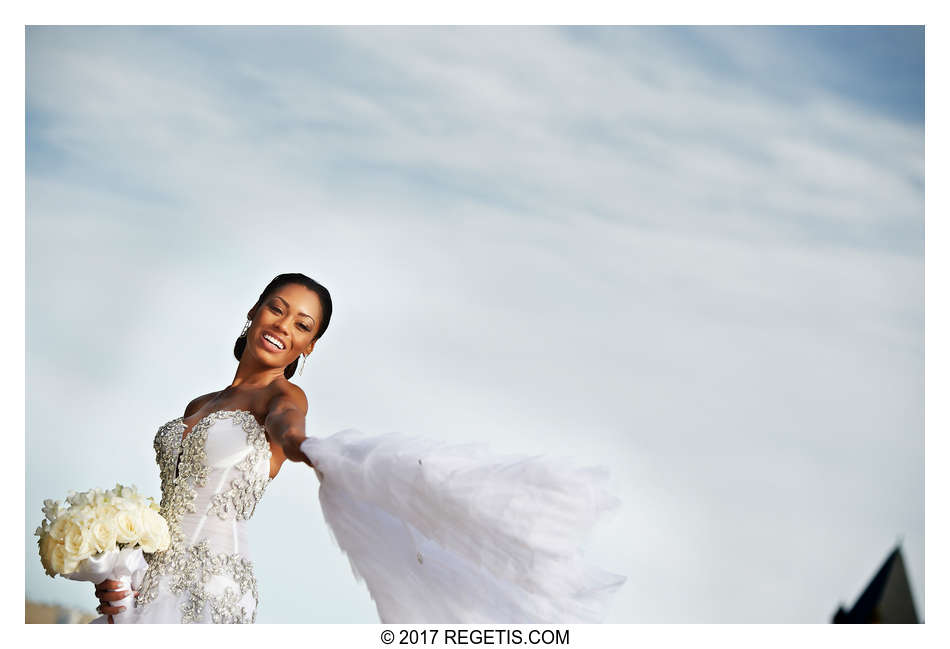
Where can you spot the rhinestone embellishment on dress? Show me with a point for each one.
(191, 567)
(240, 500)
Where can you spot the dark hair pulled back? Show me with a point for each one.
(326, 306)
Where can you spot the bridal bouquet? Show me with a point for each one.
(101, 535)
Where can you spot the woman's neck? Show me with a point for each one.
(250, 377)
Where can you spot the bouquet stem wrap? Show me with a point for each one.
(127, 566)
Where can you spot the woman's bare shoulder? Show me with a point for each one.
(287, 394)
(198, 402)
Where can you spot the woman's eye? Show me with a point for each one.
(275, 309)
(304, 327)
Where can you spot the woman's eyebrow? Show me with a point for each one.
(287, 304)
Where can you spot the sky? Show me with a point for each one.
(691, 255)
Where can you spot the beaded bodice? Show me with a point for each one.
(211, 483)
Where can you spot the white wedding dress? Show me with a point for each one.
(438, 533)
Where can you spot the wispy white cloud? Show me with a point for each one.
(606, 243)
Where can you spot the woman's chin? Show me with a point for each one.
(267, 357)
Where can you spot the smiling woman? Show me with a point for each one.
(303, 323)
(438, 533)
(218, 458)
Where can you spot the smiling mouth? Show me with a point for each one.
(265, 339)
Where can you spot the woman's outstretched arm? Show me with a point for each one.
(285, 422)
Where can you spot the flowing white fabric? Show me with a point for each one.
(454, 534)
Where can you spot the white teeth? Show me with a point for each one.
(273, 340)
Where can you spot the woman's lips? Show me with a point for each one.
(269, 346)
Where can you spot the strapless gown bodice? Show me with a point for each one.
(211, 483)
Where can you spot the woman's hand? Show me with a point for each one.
(106, 593)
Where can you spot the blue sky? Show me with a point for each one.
(693, 255)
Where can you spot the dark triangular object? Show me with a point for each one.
(886, 600)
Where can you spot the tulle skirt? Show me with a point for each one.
(455, 534)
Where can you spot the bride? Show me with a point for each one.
(438, 533)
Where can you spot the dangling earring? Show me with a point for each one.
(244, 331)
(303, 361)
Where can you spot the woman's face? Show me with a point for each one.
(284, 325)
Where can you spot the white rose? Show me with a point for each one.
(106, 513)
(104, 532)
(70, 565)
(47, 543)
(57, 558)
(128, 524)
(155, 531)
(164, 540)
(77, 540)
(147, 543)
(147, 540)
(58, 529)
